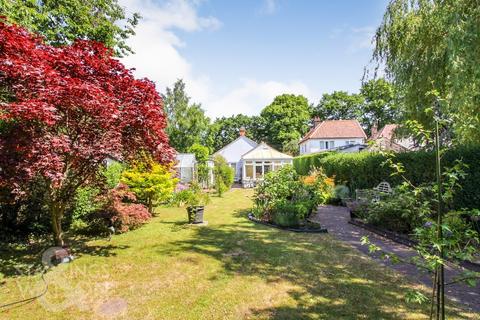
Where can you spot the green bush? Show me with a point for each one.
(365, 170)
(287, 199)
(401, 212)
(224, 175)
(85, 203)
(304, 164)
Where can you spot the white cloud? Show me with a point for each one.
(269, 7)
(252, 96)
(157, 57)
(359, 38)
(362, 38)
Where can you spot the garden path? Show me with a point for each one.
(335, 219)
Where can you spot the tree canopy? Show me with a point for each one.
(431, 51)
(70, 108)
(187, 123)
(63, 21)
(286, 119)
(339, 105)
(226, 129)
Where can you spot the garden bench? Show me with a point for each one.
(373, 195)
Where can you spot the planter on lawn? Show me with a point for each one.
(195, 214)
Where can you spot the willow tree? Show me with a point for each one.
(430, 49)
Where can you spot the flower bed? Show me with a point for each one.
(286, 199)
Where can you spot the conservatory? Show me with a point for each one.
(259, 161)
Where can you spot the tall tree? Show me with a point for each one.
(187, 123)
(379, 106)
(339, 105)
(286, 119)
(69, 108)
(431, 51)
(63, 21)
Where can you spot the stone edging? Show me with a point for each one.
(252, 218)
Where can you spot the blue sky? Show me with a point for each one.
(235, 56)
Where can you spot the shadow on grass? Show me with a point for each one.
(16, 260)
(331, 280)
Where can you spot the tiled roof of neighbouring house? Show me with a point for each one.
(336, 129)
(386, 132)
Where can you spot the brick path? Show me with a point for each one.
(335, 219)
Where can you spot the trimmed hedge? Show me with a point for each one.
(365, 170)
(303, 164)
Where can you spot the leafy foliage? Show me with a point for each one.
(191, 196)
(183, 118)
(339, 105)
(202, 154)
(151, 182)
(71, 108)
(112, 174)
(223, 175)
(287, 199)
(287, 118)
(226, 129)
(121, 211)
(63, 21)
(365, 170)
(431, 50)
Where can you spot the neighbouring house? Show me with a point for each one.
(385, 139)
(185, 166)
(234, 151)
(261, 160)
(328, 135)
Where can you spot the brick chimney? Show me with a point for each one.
(242, 131)
(316, 121)
(374, 129)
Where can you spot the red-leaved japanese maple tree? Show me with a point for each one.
(64, 110)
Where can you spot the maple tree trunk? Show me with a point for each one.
(57, 214)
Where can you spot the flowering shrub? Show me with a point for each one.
(287, 199)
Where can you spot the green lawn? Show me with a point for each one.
(230, 269)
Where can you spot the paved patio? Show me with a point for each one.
(335, 219)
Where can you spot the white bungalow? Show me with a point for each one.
(234, 151)
(261, 160)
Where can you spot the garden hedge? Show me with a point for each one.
(365, 170)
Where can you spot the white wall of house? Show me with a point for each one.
(319, 145)
(233, 154)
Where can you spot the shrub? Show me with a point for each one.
(224, 175)
(287, 199)
(85, 203)
(365, 170)
(401, 212)
(112, 174)
(304, 164)
(190, 196)
(151, 182)
(122, 212)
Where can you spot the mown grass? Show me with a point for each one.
(230, 269)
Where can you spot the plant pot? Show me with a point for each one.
(195, 214)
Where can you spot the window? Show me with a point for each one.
(350, 142)
(258, 171)
(267, 167)
(323, 145)
(249, 171)
(332, 145)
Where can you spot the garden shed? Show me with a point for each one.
(261, 160)
(185, 166)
